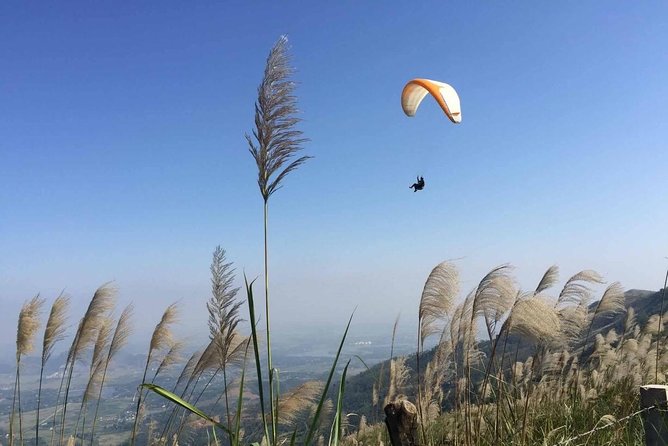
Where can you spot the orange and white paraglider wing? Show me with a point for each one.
(446, 96)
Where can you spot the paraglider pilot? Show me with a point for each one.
(417, 186)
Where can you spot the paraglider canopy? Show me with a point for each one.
(446, 96)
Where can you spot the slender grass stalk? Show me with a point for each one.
(101, 303)
(60, 390)
(611, 302)
(493, 295)
(235, 350)
(162, 337)
(27, 327)
(381, 372)
(95, 370)
(118, 340)
(272, 409)
(658, 334)
(274, 144)
(193, 370)
(54, 332)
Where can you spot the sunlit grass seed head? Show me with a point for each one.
(276, 141)
(28, 325)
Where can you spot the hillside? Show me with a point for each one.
(359, 387)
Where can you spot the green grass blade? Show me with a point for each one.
(186, 405)
(256, 350)
(277, 391)
(362, 361)
(237, 423)
(336, 427)
(316, 417)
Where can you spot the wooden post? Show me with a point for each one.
(656, 419)
(401, 422)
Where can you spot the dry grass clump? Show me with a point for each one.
(92, 342)
(579, 372)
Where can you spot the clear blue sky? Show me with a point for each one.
(122, 154)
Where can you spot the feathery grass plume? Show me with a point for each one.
(535, 319)
(101, 342)
(460, 315)
(652, 325)
(495, 293)
(434, 377)
(577, 287)
(326, 412)
(53, 333)
(550, 278)
(572, 322)
(162, 334)
(207, 361)
(611, 336)
(102, 302)
(658, 333)
(55, 326)
(398, 378)
(118, 340)
(611, 302)
(274, 146)
(630, 322)
(162, 337)
(440, 290)
(438, 294)
(295, 401)
(394, 335)
(602, 352)
(223, 314)
(222, 308)
(275, 140)
(27, 327)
